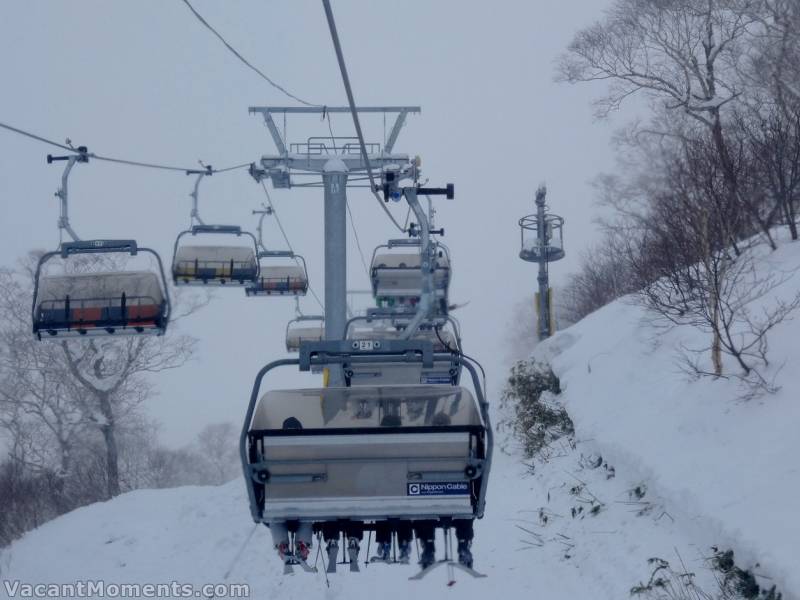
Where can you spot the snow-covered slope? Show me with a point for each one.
(730, 466)
(662, 467)
(198, 535)
(194, 534)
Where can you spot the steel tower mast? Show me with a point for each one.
(339, 161)
(542, 242)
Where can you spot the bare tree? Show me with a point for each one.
(96, 383)
(218, 445)
(110, 374)
(603, 276)
(775, 63)
(684, 55)
(771, 137)
(689, 274)
(38, 406)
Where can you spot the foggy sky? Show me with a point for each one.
(145, 81)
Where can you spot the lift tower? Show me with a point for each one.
(340, 163)
(542, 242)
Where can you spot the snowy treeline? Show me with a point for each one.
(72, 417)
(707, 178)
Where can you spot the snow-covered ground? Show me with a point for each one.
(195, 534)
(710, 468)
(728, 465)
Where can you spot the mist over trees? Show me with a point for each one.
(72, 416)
(708, 180)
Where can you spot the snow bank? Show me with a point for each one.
(197, 535)
(731, 466)
(193, 535)
(717, 470)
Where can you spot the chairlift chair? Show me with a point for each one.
(367, 453)
(288, 279)
(396, 274)
(222, 264)
(131, 302)
(304, 328)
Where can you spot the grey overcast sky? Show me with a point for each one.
(144, 80)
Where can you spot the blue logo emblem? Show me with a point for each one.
(438, 488)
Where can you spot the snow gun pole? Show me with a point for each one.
(543, 279)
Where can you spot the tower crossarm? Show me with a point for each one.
(281, 144)
(314, 163)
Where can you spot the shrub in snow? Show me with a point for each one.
(733, 583)
(665, 583)
(736, 582)
(537, 418)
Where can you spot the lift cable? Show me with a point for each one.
(458, 352)
(36, 137)
(112, 159)
(286, 239)
(343, 68)
(233, 168)
(145, 165)
(358, 241)
(408, 214)
(244, 60)
(349, 210)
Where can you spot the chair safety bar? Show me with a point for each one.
(98, 246)
(366, 351)
(230, 229)
(276, 254)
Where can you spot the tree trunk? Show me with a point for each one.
(716, 344)
(790, 218)
(732, 182)
(109, 436)
(61, 484)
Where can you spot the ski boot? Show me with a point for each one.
(464, 553)
(383, 552)
(301, 550)
(353, 548)
(333, 552)
(405, 552)
(284, 552)
(428, 555)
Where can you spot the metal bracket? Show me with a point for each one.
(448, 192)
(234, 229)
(403, 242)
(97, 246)
(398, 125)
(263, 212)
(365, 351)
(280, 143)
(426, 262)
(259, 472)
(276, 254)
(194, 215)
(63, 192)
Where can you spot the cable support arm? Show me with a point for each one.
(63, 192)
(426, 264)
(194, 215)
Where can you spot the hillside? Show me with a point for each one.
(662, 466)
(194, 535)
(728, 465)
